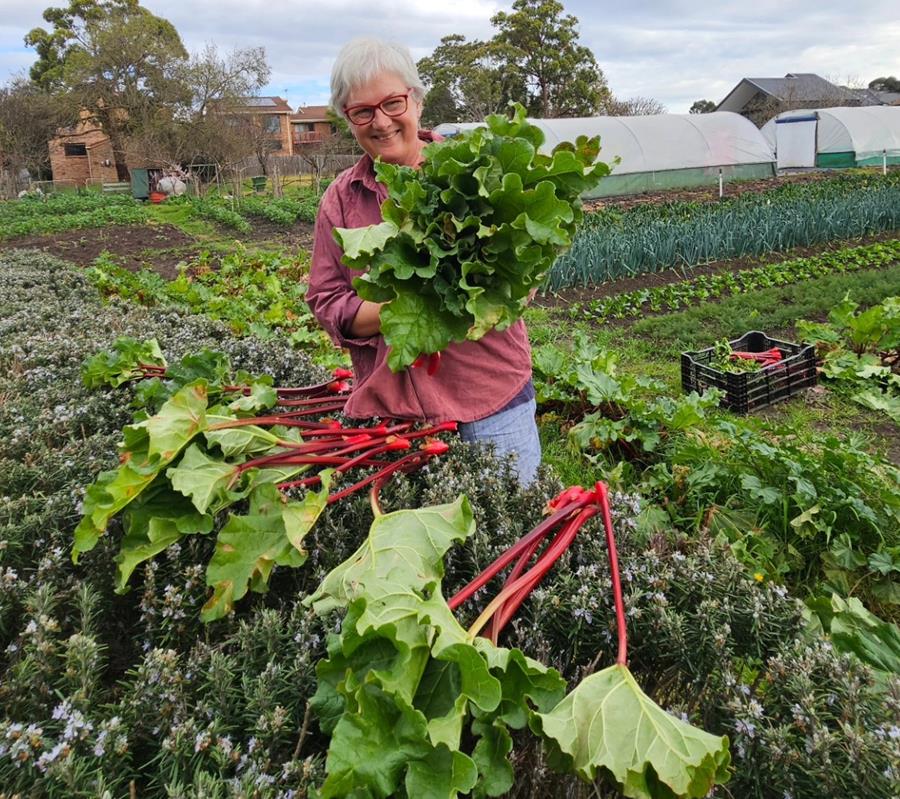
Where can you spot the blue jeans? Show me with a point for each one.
(513, 430)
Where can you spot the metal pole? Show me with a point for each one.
(884, 162)
(721, 184)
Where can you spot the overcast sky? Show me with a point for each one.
(671, 50)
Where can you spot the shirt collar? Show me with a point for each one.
(364, 170)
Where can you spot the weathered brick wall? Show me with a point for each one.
(98, 166)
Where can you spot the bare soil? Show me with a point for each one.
(298, 236)
(159, 247)
(151, 246)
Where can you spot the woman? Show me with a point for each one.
(486, 385)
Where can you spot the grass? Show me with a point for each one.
(183, 218)
(651, 347)
(771, 310)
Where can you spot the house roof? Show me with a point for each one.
(802, 86)
(262, 105)
(796, 87)
(311, 113)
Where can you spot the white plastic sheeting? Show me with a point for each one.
(867, 131)
(660, 142)
(795, 142)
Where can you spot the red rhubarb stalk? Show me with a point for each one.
(622, 656)
(512, 553)
(559, 545)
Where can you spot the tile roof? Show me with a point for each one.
(311, 113)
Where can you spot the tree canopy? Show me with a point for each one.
(534, 58)
(702, 107)
(886, 84)
(469, 80)
(29, 117)
(540, 43)
(117, 66)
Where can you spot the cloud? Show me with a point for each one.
(672, 50)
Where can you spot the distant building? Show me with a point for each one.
(760, 99)
(310, 125)
(82, 155)
(272, 116)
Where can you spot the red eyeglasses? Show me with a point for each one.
(393, 106)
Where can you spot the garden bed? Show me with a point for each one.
(132, 690)
(158, 247)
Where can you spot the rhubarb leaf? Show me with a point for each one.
(178, 421)
(469, 233)
(204, 479)
(148, 448)
(247, 549)
(402, 657)
(608, 725)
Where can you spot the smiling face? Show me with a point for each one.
(393, 139)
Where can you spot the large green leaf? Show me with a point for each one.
(204, 479)
(854, 629)
(158, 519)
(399, 641)
(607, 725)
(469, 234)
(178, 421)
(149, 447)
(249, 547)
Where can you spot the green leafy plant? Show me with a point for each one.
(211, 445)
(256, 293)
(469, 234)
(653, 237)
(860, 349)
(404, 677)
(610, 413)
(802, 509)
(58, 212)
(681, 294)
(851, 628)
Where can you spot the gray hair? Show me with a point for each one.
(361, 60)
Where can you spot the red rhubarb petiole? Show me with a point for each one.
(512, 553)
(554, 551)
(363, 459)
(622, 655)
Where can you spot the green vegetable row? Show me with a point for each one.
(114, 214)
(649, 238)
(256, 293)
(673, 296)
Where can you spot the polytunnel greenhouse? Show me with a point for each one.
(835, 137)
(662, 151)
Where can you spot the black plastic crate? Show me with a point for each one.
(745, 391)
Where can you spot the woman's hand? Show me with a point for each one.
(367, 321)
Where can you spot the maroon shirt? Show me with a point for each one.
(475, 378)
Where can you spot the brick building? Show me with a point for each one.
(310, 125)
(82, 155)
(272, 117)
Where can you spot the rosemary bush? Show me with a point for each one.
(100, 691)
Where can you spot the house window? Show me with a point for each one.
(271, 123)
(74, 150)
(305, 127)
